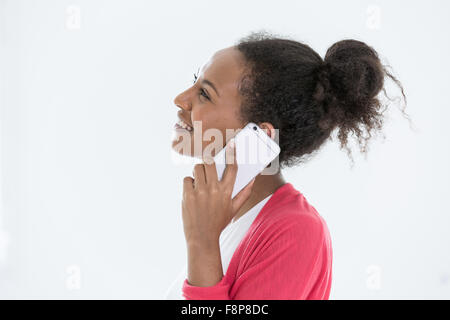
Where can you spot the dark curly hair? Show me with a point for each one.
(306, 97)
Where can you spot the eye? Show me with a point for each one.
(202, 92)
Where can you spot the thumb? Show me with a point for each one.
(242, 196)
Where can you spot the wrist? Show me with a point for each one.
(203, 245)
(204, 263)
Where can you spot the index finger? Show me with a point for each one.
(210, 170)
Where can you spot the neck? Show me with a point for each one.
(263, 186)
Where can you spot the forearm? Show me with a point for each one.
(204, 264)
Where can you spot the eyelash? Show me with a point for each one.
(201, 91)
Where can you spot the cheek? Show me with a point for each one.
(198, 116)
(207, 118)
(211, 118)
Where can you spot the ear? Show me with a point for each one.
(268, 128)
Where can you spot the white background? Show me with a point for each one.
(90, 192)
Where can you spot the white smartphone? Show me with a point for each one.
(255, 150)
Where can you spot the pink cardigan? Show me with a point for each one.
(285, 255)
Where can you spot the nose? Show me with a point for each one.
(182, 101)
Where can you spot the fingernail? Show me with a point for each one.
(208, 159)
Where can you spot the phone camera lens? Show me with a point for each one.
(254, 128)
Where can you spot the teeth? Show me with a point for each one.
(184, 125)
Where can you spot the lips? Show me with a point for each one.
(183, 123)
(180, 126)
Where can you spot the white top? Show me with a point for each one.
(229, 239)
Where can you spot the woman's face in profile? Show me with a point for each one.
(210, 106)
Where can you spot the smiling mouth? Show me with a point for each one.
(183, 125)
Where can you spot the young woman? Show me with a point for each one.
(268, 242)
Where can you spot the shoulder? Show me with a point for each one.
(293, 217)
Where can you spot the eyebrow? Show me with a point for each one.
(209, 83)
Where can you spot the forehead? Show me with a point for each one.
(224, 69)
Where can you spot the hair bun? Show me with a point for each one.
(354, 71)
(348, 81)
